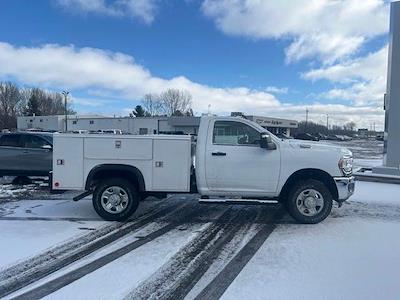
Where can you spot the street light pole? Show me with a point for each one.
(65, 93)
(306, 118)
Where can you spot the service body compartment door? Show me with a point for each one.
(171, 165)
(123, 148)
(68, 163)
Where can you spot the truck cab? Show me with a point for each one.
(234, 158)
(231, 162)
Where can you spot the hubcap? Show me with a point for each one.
(310, 202)
(114, 199)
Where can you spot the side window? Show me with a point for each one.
(32, 141)
(10, 140)
(234, 133)
(143, 131)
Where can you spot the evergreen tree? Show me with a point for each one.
(139, 111)
(32, 108)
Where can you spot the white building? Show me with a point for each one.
(275, 125)
(47, 123)
(145, 125)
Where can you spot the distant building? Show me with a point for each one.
(139, 125)
(363, 133)
(47, 123)
(275, 125)
(145, 125)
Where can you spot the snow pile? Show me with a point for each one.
(9, 190)
(12, 192)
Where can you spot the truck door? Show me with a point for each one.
(236, 163)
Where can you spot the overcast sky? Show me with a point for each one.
(264, 57)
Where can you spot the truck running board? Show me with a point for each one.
(237, 201)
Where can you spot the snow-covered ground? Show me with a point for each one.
(352, 255)
(367, 153)
(176, 248)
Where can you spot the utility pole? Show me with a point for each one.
(327, 121)
(65, 93)
(306, 117)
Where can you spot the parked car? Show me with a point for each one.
(333, 137)
(80, 131)
(322, 136)
(306, 137)
(284, 136)
(340, 137)
(106, 131)
(26, 154)
(112, 131)
(234, 158)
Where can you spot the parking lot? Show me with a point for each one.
(177, 248)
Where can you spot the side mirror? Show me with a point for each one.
(266, 142)
(47, 147)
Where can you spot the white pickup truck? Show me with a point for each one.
(233, 159)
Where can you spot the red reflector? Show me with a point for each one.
(56, 184)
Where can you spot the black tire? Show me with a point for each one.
(132, 194)
(21, 180)
(301, 186)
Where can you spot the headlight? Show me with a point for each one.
(346, 165)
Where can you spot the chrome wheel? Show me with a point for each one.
(310, 202)
(114, 199)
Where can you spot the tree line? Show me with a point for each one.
(313, 128)
(16, 101)
(172, 102)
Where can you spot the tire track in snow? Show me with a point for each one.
(178, 276)
(216, 288)
(50, 261)
(188, 215)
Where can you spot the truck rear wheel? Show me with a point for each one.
(309, 202)
(115, 199)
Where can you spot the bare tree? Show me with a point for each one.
(10, 97)
(172, 102)
(152, 105)
(43, 103)
(350, 126)
(15, 101)
(176, 102)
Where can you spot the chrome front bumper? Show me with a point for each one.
(345, 187)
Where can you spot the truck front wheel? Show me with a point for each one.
(115, 199)
(309, 201)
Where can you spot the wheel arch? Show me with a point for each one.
(305, 174)
(103, 171)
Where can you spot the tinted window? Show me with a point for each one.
(234, 133)
(143, 131)
(32, 141)
(10, 140)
